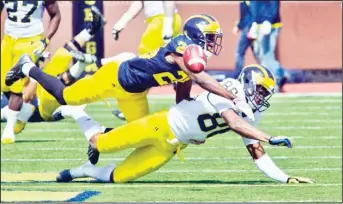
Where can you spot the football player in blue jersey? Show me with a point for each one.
(129, 81)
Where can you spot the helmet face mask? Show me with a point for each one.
(258, 86)
(205, 31)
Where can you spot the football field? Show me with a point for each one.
(219, 170)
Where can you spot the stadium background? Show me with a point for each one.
(310, 42)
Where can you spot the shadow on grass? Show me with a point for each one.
(29, 141)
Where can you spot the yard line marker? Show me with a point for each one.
(57, 130)
(158, 185)
(175, 159)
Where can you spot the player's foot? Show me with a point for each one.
(15, 73)
(118, 114)
(93, 155)
(70, 174)
(19, 126)
(64, 176)
(8, 139)
(98, 21)
(66, 111)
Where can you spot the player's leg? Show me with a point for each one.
(151, 39)
(141, 162)
(177, 24)
(242, 46)
(134, 107)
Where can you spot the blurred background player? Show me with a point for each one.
(163, 133)
(24, 33)
(162, 20)
(58, 66)
(244, 42)
(265, 28)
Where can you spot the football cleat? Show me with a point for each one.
(15, 73)
(93, 155)
(64, 176)
(300, 180)
(119, 114)
(19, 126)
(8, 140)
(98, 21)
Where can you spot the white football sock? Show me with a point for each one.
(84, 35)
(268, 167)
(11, 121)
(77, 69)
(79, 171)
(88, 126)
(27, 67)
(3, 113)
(26, 112)
(100, 173)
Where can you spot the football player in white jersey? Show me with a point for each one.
(163, 134)
(162, 20)
(24, 34)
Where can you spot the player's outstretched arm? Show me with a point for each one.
(243, 128)
(265, 164)
(134, 9)
(55, 17)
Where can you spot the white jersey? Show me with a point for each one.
(199, 119)
(154, 8)
(24, 18)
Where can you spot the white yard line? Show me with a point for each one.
(338, 127)
(321, 137)
(167, 185)
(176, 159)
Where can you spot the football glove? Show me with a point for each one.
(281, 141)
(39, 46)
(266, 27)
(244, 108)
(252, 33)
(299, 180)
(115, 34)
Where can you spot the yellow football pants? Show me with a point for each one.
(104, 84)
(152, 37)
(149, 136)
(59, 63)
(11, 50)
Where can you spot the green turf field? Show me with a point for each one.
(219, 170)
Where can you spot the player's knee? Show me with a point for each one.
(59, 96)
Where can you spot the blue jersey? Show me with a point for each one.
(152, 69)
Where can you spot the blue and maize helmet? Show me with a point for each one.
(258, 85)
(205, 31)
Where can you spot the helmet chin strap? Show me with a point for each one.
(208, 54)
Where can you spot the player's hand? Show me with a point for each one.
(83, 57)
(115, 33)
(235, 30)
(244, 107)
(266, 27)
(299, 180)
(281, 141)
(252, 33)
(39, 46)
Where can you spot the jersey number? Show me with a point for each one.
(11, 11)
(165, 78)
(208, 122)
